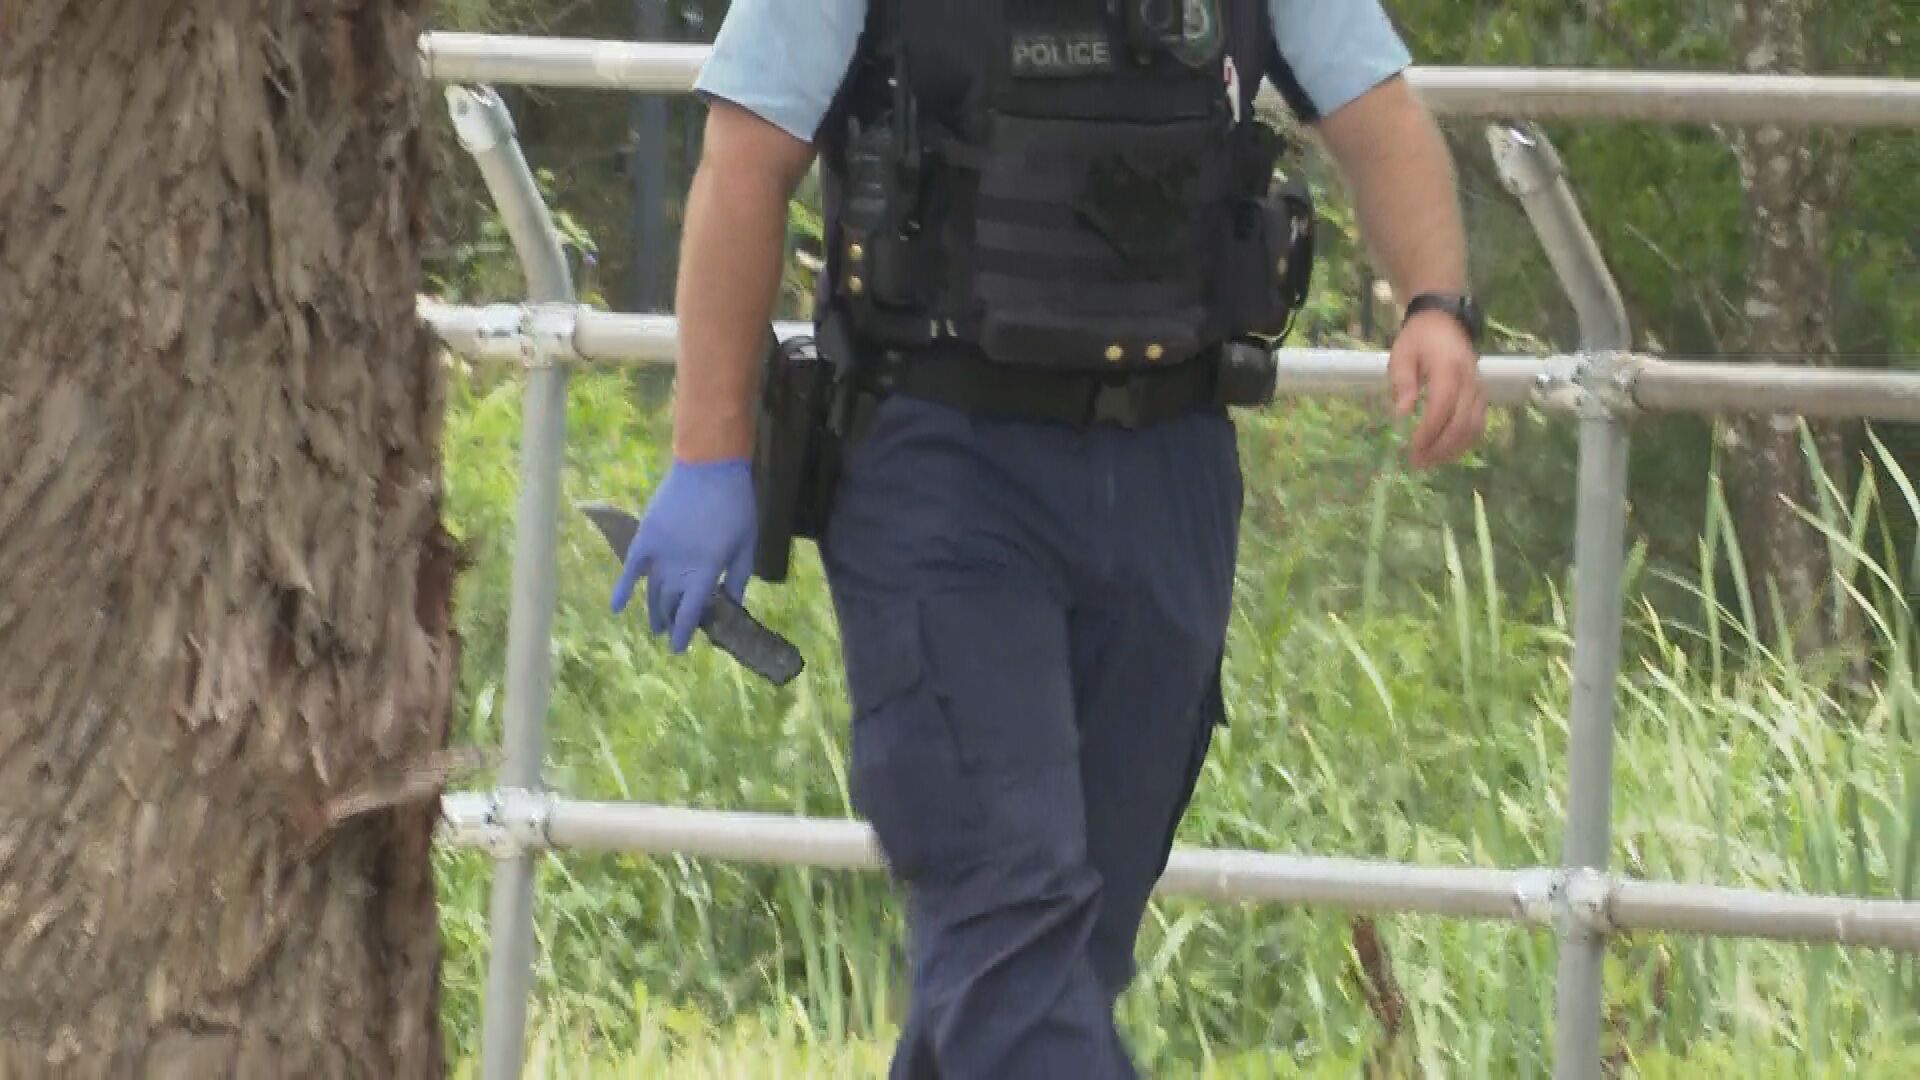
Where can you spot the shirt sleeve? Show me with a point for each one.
(783, 60)
(1333, 51)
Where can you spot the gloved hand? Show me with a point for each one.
(701, 522)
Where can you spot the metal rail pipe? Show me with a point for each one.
(1599, 554)
(1507, 380)
(1528, 896)
(485, 129)
(1659, 905)
(657, 67)
(503, 333)
(508, 333)
(1485, 92)
(1223, 875)
(1533, 173)
(1740, 386)
(1669, 97)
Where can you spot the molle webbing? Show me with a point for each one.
(1082, 187)
(1094, 225)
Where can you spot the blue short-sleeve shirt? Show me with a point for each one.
(783, 60)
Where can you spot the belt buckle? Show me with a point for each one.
(1117, 403)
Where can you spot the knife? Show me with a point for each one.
(728, 625)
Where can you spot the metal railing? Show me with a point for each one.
(1603, 386)
(1540, 93)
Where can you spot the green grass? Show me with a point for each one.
(1392, 694)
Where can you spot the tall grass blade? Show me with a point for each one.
(1720, 522)
(1376, 539)
(1483, 536)
(1462, 620)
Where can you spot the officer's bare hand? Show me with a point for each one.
(1433, 358)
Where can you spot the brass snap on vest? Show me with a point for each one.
(855, 252)
(1115, 353)
(855, 285)
(1155, 352)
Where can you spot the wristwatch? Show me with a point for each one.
(1459, 305)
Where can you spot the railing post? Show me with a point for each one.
(1534, 173)
(486, 130)
(1599, 545)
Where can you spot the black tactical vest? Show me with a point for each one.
(1074, 184)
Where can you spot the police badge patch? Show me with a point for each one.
(1199, 39)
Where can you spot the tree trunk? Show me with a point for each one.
(1792, 178)
(225, 647)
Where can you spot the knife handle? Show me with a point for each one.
(764, 652)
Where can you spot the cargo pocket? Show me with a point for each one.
(904, 772)
(998, 664)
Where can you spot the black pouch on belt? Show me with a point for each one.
(795, 455)
(1246, 374)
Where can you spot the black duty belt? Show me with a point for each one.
(1129, 399)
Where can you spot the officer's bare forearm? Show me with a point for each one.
(1404, 191)
(730, 264)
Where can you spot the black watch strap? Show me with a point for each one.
(1458, 305)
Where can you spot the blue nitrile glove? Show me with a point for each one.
(700, 523)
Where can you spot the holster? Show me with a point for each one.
(796, 453)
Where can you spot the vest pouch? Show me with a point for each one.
(1262, 275)
(1251, 268)
(882, 275)
(1296, 278)
(879, 269)
(1040, 337)
(1091, 240)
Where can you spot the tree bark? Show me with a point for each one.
(225, 645)
(1792, 179)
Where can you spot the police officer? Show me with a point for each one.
(1032, 545)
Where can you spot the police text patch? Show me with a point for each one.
(1061, 53)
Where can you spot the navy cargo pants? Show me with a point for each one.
(1032, 619)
